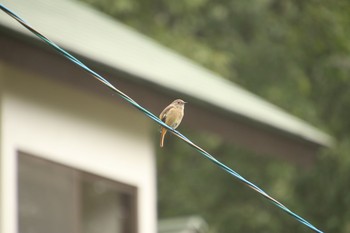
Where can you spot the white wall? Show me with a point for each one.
(76, 128)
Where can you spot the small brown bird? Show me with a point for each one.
(172, 116)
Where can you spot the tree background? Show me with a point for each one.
(295, 54)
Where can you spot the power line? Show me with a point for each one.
(157, 120)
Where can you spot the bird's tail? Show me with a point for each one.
(162, 135)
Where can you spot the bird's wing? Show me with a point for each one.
(163, 114)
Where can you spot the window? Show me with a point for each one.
(53, 198)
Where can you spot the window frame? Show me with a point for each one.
(127, 190)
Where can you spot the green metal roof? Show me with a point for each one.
(190, 224)
(85, 31)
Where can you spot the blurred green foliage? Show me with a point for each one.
(294, 53)
(189, 184)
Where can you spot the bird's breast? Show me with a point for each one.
(174, 117)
